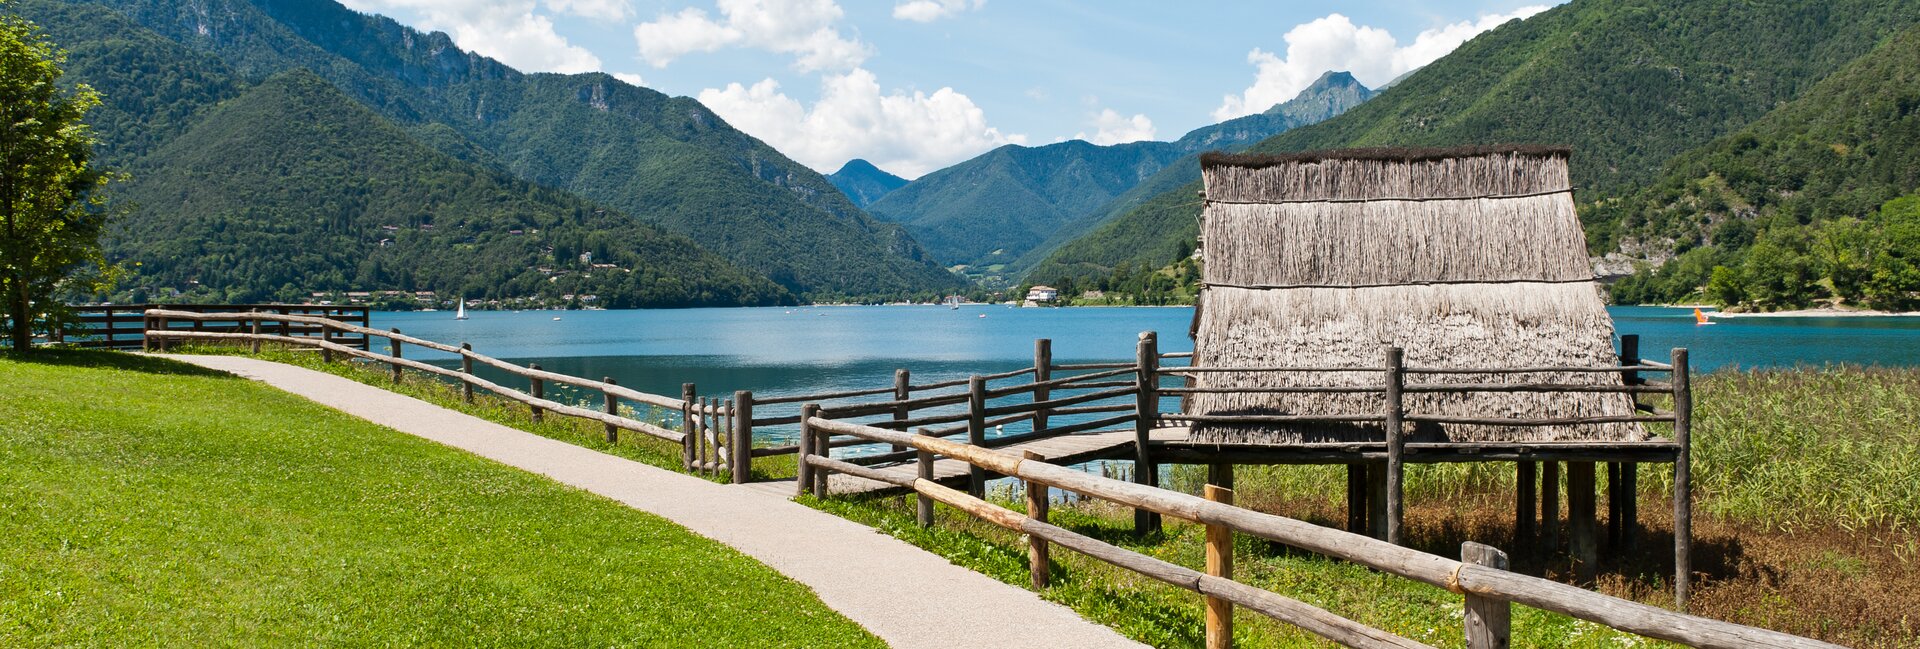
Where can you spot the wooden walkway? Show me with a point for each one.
(1065, 450)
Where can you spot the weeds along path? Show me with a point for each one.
(907, 596)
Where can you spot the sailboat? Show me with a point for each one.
(1700, 318)
(462, 313)
(953, 302)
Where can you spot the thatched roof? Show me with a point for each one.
(1465, 258)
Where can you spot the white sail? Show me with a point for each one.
(461, 314)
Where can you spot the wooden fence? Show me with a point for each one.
(716, 435)
(124, 326)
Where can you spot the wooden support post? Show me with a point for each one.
(326, 334)
(1488, 619)
(923, 505)
(393, 349)
(1038, 499)
(1357, 498)
(902, 391)
(1581, 534)
(1550, 504)
(146, 325)
(253, 343)
(1219, 564)
(613, 408)
(822, 447)
(160, 325)
(977, 432)
(1524, 502)
(1396, 446)
(1146, 414)
(1682, 479)
(701, 453)
(1377, 500)
(538, 388)
(1613, 504)
(1629, 505)
(803, 483)
(690, 427)
(1042, 372)
(1626, 512)
(740, 444)
(466, 372)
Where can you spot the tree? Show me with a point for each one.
(52, 204)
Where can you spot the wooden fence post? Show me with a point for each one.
(254, 341)
(821, 446)
(1396, 446)
(538, 390)
(690, 424)
(613, 408)
(146, 325)
(730, 426)
(1042, 372)
(393, 349)
(902, 391)
(1525, 501)
(1488, 620)
(803, 479)
(1146, 412)
(326, 335)
(466, 372)
(1219, 564)
(1682, 479)
(1039, 563)
(977, 432)
(923, 505)
(740, 444)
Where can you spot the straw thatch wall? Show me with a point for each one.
(1465, 258)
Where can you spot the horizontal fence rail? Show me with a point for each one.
(1475, 581)
(124, 326)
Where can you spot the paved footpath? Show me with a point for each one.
(905, 595)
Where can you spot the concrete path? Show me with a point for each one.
(906, 596)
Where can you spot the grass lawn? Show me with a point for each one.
(147, 502)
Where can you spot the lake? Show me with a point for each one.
(776, 351)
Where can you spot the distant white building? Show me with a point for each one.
(1043, 294)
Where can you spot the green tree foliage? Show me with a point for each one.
(1629, 84)
(293, 187)
(664, 160)
(52, 205)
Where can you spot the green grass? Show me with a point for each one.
(146, 502)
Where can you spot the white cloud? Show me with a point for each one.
(1335, 43)
(509, 31)
(1113, 128)
(603, 9)
(630, 78)
(926, 11)
(803, 28)
(907, 134)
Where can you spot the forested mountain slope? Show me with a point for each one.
(662, 160)
(993, 212)
(864, 183)
(295, 186)
(1628, 84)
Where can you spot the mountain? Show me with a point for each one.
(864, 183)
(1629, 84)
(293, 184)
(993, 211)
(663, 160)
(1795, 206)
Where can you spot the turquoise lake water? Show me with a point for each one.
(775, 351)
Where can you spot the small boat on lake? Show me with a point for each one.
(1700, 318)
(462, 313)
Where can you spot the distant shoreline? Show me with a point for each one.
(1818, 313)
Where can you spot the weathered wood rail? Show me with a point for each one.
(1114, 408)
(1488, 588)
(124, 326)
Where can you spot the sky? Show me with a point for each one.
(917, 85)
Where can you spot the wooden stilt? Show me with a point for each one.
(1682, 479)
(1581, 529)
(1377, 500)
(1524, 502)
(1550, 505)
(1357, 498)
(1630, 505)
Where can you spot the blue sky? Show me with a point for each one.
(915, 85)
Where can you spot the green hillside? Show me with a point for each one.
(294, 187)
(999, 212)
(864, 183)
(1795, 207)
(664, 160)
(1629, 84)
